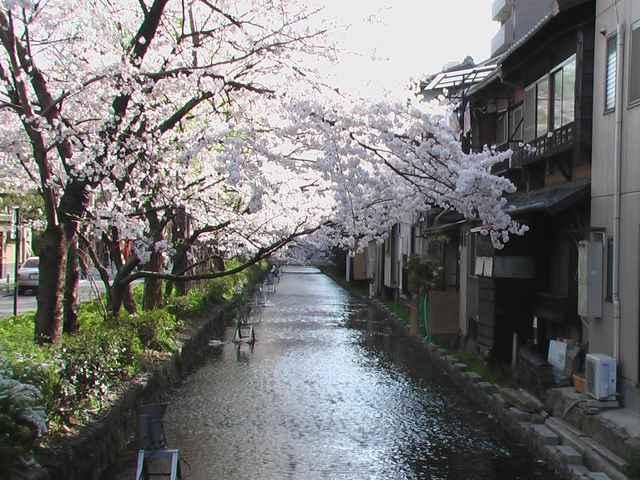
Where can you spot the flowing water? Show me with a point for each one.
(330, 392)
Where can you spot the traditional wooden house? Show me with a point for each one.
(538, 103)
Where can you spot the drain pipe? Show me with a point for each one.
(616, 192)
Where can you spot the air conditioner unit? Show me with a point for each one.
(601, 376)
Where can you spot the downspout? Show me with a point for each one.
(616, 192)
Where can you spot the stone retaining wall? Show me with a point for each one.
(515, 422)
(87, 455)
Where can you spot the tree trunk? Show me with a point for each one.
(127, 299)
(152, 297)
(71, 284)
(179, 266)
(73, 205)
(53, 261)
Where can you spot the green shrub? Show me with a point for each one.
(28, 362)
(156, 329)
(22, 417)
(93, 362)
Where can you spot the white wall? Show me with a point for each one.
(601, 331)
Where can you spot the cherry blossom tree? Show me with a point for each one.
(94, 91)
(179, 133)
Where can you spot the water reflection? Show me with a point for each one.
(330, 391)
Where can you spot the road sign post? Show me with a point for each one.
(17, 263)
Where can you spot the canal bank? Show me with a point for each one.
(571, 453)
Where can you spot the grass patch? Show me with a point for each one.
(497, 374)
(400, 309)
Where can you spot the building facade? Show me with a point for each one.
(615, 196)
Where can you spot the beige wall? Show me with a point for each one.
(359, 266)
(601, 331)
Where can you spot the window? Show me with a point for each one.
(501, 128)
(530, 113)
(542, 107)
(569, 92)
(563, 82)
(634, 70)
(609, 294)
(515, 124)
(610, 75)
(550, 102)
(556, 82)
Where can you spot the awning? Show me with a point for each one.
(551, 200)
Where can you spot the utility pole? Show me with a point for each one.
(17, 263)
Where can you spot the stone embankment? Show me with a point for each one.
(87, 455)
(572, 453)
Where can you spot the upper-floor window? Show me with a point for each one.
(549, 103)
(611, 74)
(634, 68)
(515, 124)
(509, 126)
(542, 107)
(563, 83)
(502, 126)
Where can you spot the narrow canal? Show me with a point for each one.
(329, 392)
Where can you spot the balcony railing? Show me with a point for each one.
(555, 142)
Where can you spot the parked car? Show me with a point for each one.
(29, 275)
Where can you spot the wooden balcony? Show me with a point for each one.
(558, 141)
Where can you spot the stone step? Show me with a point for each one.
(472, 376)
(519, 415)
(487, 387)
(460, 366)
(545, 435)
(596, 457)
(579, 472)
(598, 476)
(567, 454)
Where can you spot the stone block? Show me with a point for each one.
(598, 476)
(545, 435)
(488, 387)
(602, 404)
(519, 415)
(498, 400)
(579, 472)
(522, 399)
(472, 377)
(530, 402)
(568, 454)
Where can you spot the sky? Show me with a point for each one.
(387, 42)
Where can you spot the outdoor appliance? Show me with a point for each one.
(601, 376)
